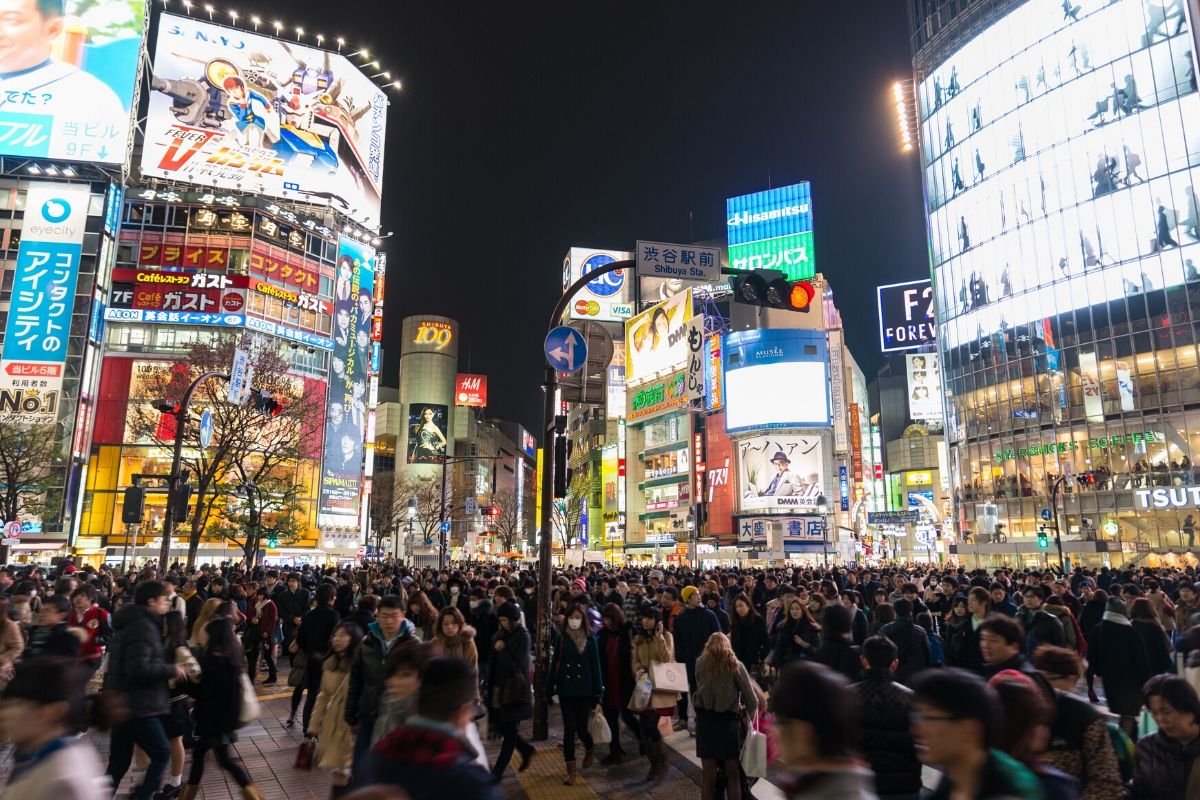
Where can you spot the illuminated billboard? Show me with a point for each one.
(924, 387)
(69, 71)
(239, 111)
(427, 425)
(158, 290)
(345, 406)
(906, 315)
(1060, 152)
(656, 339)
(772, 230)
(780, 472)
(776, 379)
(608, 298)
(470, 390)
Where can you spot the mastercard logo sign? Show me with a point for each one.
(589, 308)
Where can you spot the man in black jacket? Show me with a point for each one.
(1041, 627)
(292, 603)
(883, 722)
(51, 635)
(911, 640)
(138, 669)
(368, 671)
(691, 631)
(312, 638)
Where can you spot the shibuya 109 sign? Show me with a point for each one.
(434, 334)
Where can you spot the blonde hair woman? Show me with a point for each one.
(722, 687)
(199, 635)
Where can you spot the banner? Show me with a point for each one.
(470, 390)
(427, 424)
(207, 293)
(238, 111)
(38, 326)
(656, 339)
(924, 387)
(780, 472)
(1089, 382)
(345, 408)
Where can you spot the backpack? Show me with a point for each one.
(1123, 746)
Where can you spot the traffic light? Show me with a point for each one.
(562, 446)
(265, 403)
(272, 540)
(770, 289)
(1043, 538)
(134, 508)
(178, 498)
(1086, 480)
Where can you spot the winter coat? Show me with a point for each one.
(72, 773)
(483, 619)
(1117, 654)
(1158, 646)
(647, 651)
(1003, 777)
(1091, 616)
(137, 666)
(1081, 747)
(461, 646)
(883, 733)
(1041, 627)
(56, 640)
(96, 624)
(510, 694)
(841, 656)
(291, 605)
(367, 674)
(784, 649)
(617, 682)
(962, 644)
(850, 780)
(335, 740)
(316, 628)
(750, 641)
(218, 696)
(1161, 765)
(691, 631)
(429, 762)
(575, 674)
(264, 620)
(1064, 617)
(912, 647)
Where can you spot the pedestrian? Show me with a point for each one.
(260, 635)
(199, 637)
(292, 604)
(218, 698)
(51, 636)
(368, 671)
(652, 645)
(482, 618)
(335, 740)
(575, 677)
(510, 696)
(1001, 641)
(139, 670)
(430, 756)
(723, 686)
(814, 714)
(911, 640)
(1041, 627)
(422, 614)
(838, 651)
(1157, 641)
(1117, 654)
(40, 710)
(797, 637)
(615, 644)
(453, 637)
(177, 723)
(1025, 731)
(312, 639)
(12, 643)
(88, 618)
(691, 630)
(1164, 763)
(956, 726)
(1080, 743)
(749, 635)
(882, 726)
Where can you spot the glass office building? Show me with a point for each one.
(1060, 146)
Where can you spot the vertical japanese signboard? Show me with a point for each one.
(43, 296)
(346, 409)
(695, 360)
(856, 444)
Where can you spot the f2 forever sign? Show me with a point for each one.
(906, 315)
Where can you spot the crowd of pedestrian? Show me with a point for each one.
(860, 677)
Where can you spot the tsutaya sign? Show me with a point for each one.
(437, 334)
(1094, 443)
(1168, 497)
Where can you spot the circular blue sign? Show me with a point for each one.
(606, 285)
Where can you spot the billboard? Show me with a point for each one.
(718, 468)
(608, 298)
(157, 290)
(772, 230)
(656, 339)
(345, 407)
(906, 318)
(238, 111)
(780, 472)
(924, 387)
(470, 390)
(776, 379)
(69, 69)
(427, 423)
(38, 326)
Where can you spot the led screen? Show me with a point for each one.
(1060, 150)
(656, 340)
(776, 379)
(780, 472)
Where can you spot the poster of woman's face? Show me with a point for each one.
(427, 425)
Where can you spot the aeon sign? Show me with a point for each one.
(435, 334)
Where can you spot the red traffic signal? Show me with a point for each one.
(770, 289)
(801, 295)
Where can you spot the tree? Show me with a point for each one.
(241, 435)
(568, 514)
(428, 510)
(259, 506)
(385, 521)
(28, 463)
(506, 524)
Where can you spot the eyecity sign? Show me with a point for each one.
(1168, 497)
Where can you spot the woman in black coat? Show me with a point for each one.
(748, 633)
(837, 650)
(510, 694)
(218, 706)
(616, 667)
(1158, 644)
(797, 637)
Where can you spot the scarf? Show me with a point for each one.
(1120, 619)
(579, 637)
(258, 607)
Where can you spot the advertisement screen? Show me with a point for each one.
(209, 293)
(776, 379)
(924, 387)
(656, 340)
(427, 424)
(69, 70)
(772, 230)
(239, 111)
(718, 488)
(906, 318)
(470, 390)
(1060, 153)
(608, 298)
(780, 472)
(345, 408)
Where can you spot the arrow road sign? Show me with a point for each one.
(1046, 514)
(445, 526)
(566, 349)
(206, 428)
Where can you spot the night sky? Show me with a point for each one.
(526, 128)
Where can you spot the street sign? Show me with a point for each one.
(470, 504)
(12, 529)
(566, 349)
(893, 517)
(681, 262)
(445, 526)
(1046, 514)
(241, 375)
(206, 428)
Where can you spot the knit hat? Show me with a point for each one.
(656, 574)
(581, 583)
(687, 592)
(649, 610)
(509, 611)
(1116, 606)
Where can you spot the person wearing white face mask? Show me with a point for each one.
(575, 677)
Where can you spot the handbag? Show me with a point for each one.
(754, 752)
(642, 692)
(598, 727)
(299, 670)
(669, 677)
(306, 753)
(249, 710)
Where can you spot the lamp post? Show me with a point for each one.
(823, 510)
(410, 513)
(693, 555)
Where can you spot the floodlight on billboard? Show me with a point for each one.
(240, 111)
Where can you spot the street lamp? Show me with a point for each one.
(410, 513)
(823, 510)
(690, 524)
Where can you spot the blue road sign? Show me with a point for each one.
(206, 428)
(566, 349)
(1046, 514)
(445, 526)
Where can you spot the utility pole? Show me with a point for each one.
(1055, 488)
